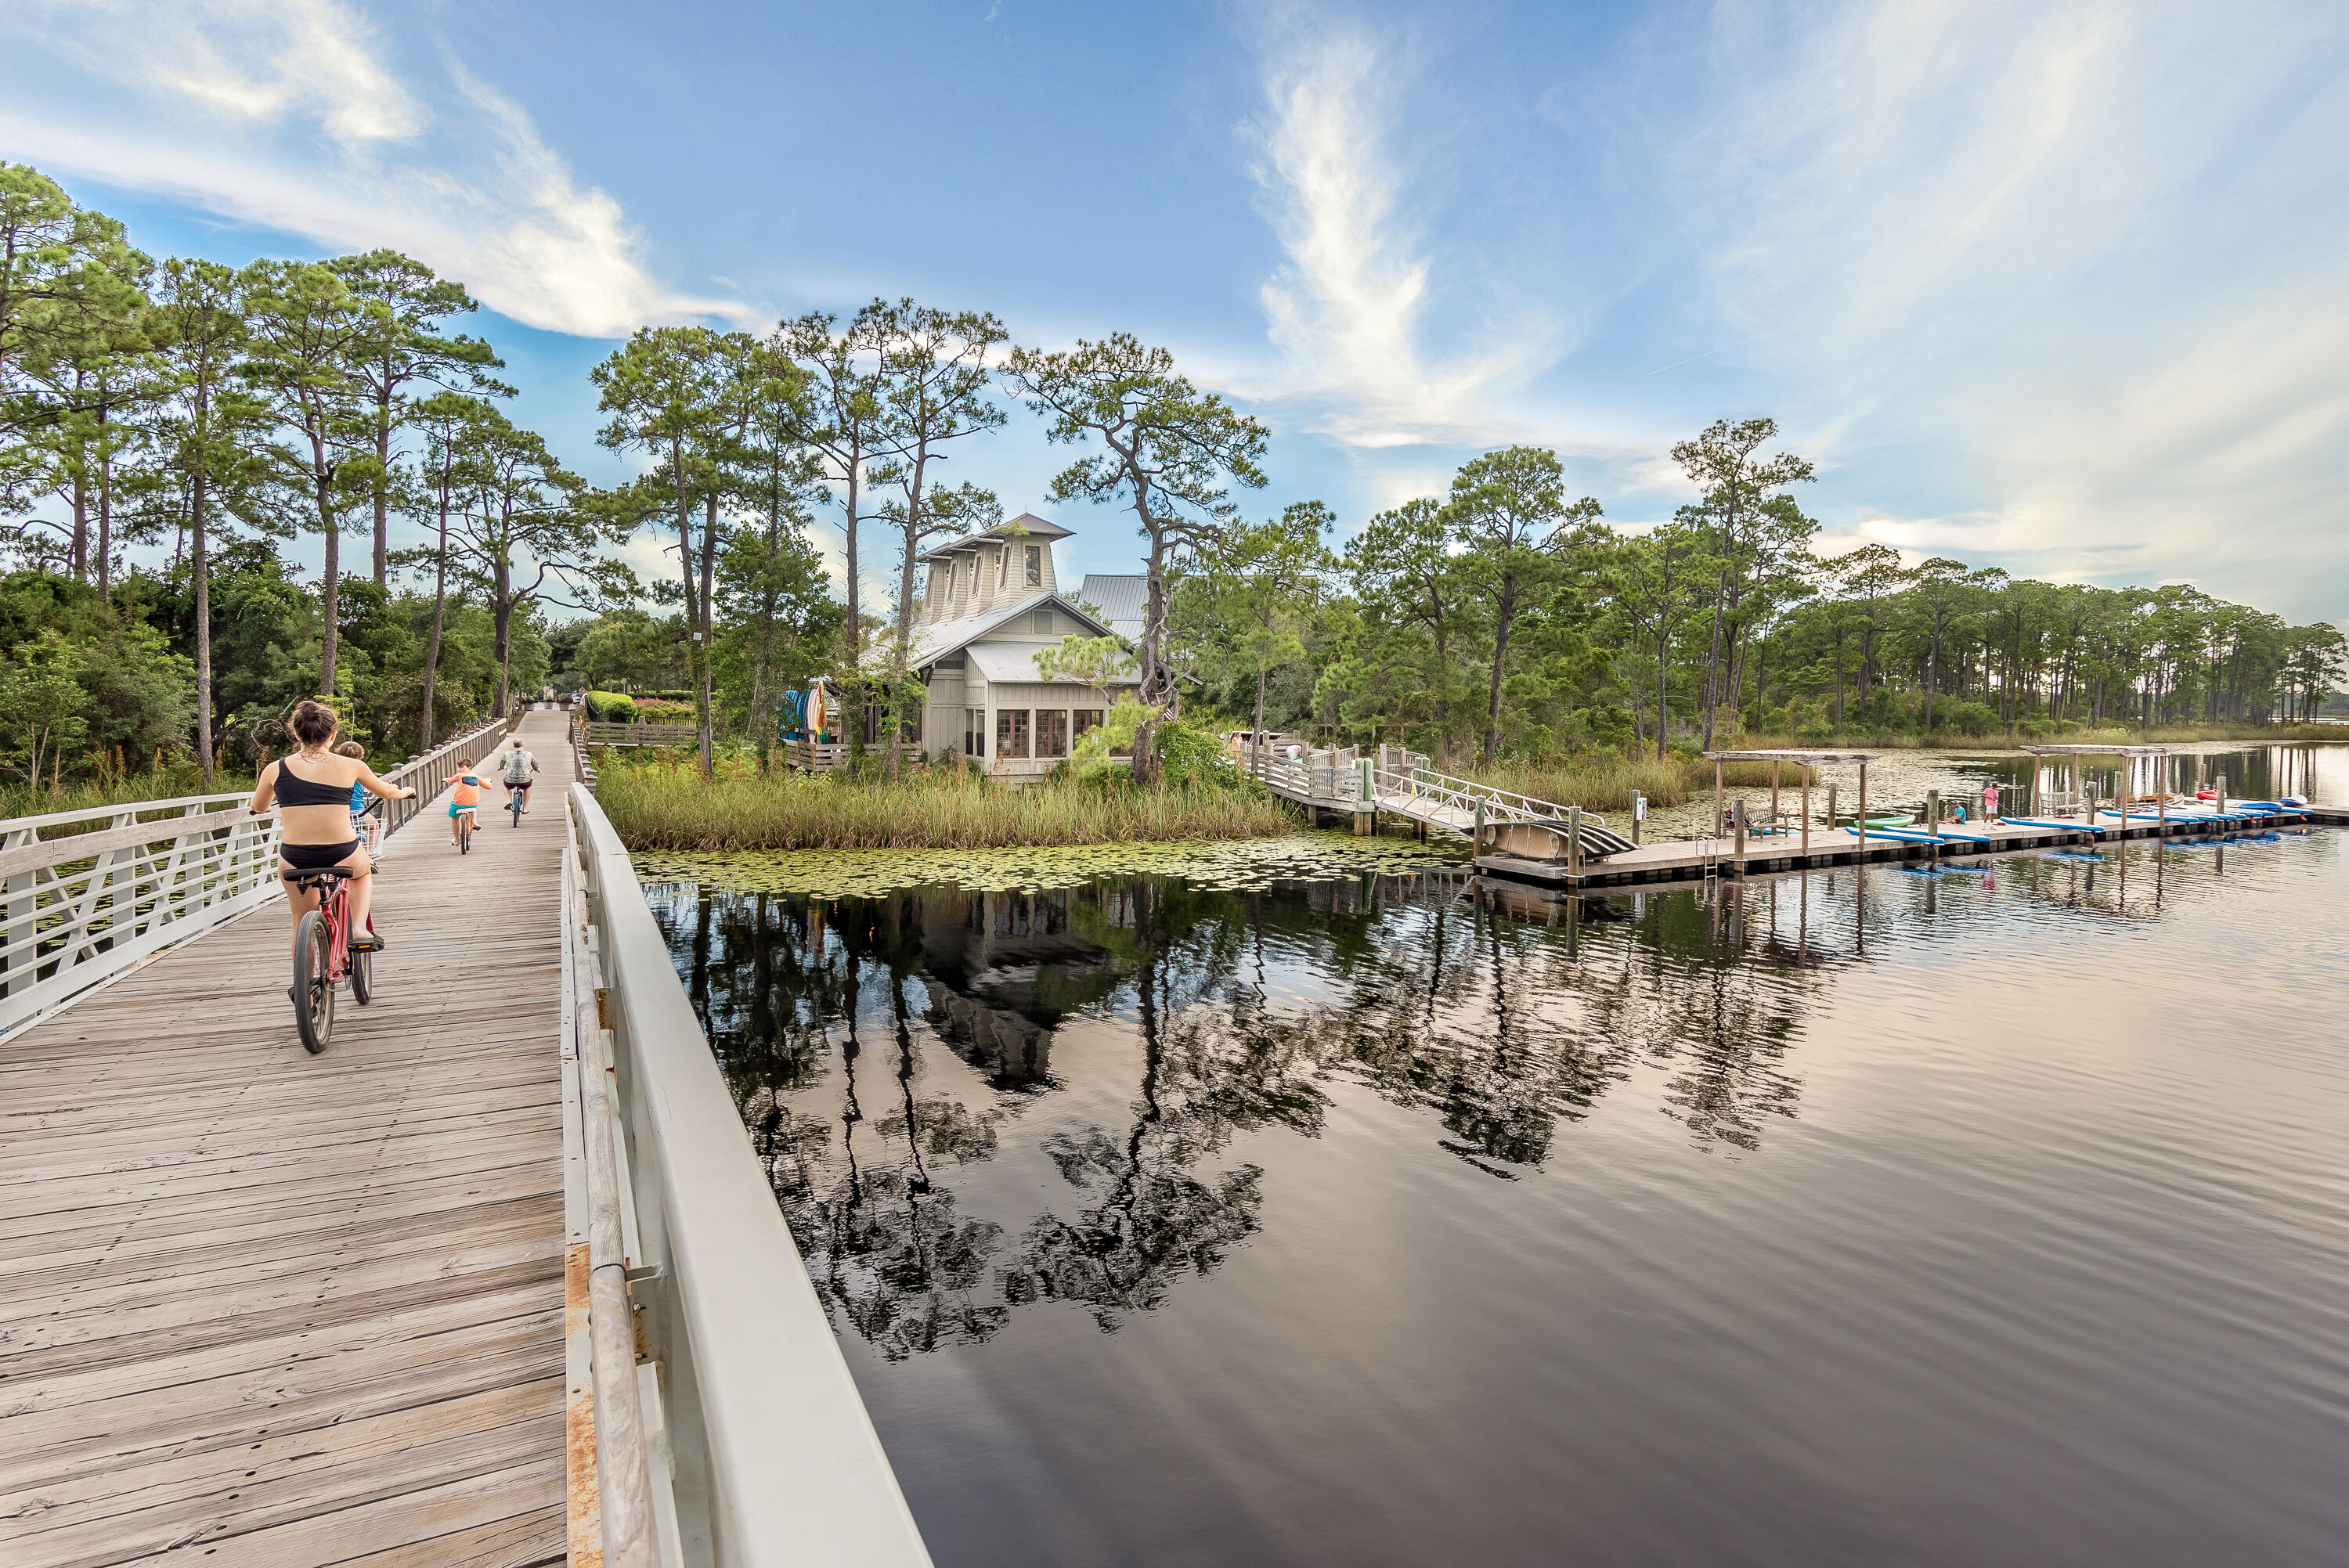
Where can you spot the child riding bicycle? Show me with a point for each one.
(465, 797)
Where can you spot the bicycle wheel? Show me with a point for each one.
(362, 977)
(314, 993)
(514, 806)
(465, 834)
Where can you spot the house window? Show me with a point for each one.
(1043, 623)
(1010, 732)
(1002, 567)
(1035, 566)
(1051, 732)
(974, 731)
(1084, 719)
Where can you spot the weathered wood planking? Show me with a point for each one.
(260, 1308)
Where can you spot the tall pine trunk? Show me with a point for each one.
(1153, 629)
(704, 732)
(685, 562)
(1507, 612)
(501, 644)
(904, 644)
(1713, 658)
(432, 644)
(330, 601)
(200, 568)
(105, 505)
(382, 485)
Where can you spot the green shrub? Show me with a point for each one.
(611, 708)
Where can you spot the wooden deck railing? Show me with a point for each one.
(602, 733)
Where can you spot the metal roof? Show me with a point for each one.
(1016, 662)
(1026, 527)
(1122, 597)
(934, 642)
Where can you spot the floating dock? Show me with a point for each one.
(1694, 860)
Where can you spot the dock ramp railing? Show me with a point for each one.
(1395, 779)
(92, 895)
(742, 1427)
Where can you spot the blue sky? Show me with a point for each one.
(2058, 287)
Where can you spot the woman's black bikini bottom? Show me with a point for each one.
(316, 857)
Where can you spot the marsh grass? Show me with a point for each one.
(654, 808)
(1604, 782)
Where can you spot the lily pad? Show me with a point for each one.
(1234, 865)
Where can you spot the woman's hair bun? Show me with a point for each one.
(313, 722)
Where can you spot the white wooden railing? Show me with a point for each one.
(90, 895)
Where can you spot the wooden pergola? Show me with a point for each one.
(1808, 760)
(2162, 801)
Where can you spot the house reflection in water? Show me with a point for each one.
(984, 961)
(1003, 970)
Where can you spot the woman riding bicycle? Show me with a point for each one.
(314, 789)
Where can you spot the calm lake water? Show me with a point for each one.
(1984, 1217)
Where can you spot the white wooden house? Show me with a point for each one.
(992, 600)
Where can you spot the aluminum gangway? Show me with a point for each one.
(1400, 782)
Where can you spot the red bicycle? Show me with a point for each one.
(323, 958)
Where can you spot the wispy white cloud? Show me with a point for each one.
(1347, 313)
(2083, 250)
(287, 114)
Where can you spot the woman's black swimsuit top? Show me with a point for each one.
(292, 790)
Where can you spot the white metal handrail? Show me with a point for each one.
(768, 1451)
(1397, 777)
(84, 906)
(1409, 774)
(81, 907)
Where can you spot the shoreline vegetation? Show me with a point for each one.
(2041, 735)
(659, 802)
(653, 807)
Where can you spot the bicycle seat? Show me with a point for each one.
(321, 873)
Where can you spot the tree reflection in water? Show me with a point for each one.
(1502, 1016)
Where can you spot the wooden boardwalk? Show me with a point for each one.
(263, 1309)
